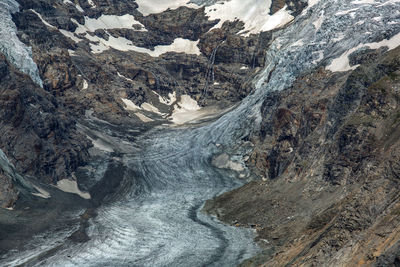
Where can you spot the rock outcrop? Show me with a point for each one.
(38, 136)
(222, 72)
(8, 193)
(327, 151)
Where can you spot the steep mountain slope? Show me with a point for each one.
(80, 81)
(137, 83)
(156, 106)
(330, 182)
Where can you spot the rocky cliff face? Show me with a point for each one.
(327, 152)
(38, 137)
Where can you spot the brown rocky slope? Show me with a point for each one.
(328, 153)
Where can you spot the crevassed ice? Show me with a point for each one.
(337, 33)
(14, 50)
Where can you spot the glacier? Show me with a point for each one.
(14, 50)
(159, 222)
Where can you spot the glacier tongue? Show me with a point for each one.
(14, 50)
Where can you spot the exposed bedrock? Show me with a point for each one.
(38, 137)
(223, 72)
(327, 151)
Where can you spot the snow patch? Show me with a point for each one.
(122, 76)
(150, 108)
(187, 110)
(91, 3)
(127, 21)
(147, 7)
(179, 46)
(80, 9)
(254, 14)
(145, 106)
(41, 192)
(106, 22)
(312, 3)
(143, 118)
(130, 105)
(167, 100)
(85, 85)
(188, 103)
(342, 63)
(70, 186)
(279, 19)
(70, 35)
(44, 21)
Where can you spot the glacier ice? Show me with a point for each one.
(336, 33)
(14, 50)
(174, 167)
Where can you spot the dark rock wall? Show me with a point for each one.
(8, 193)
(38, 137)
